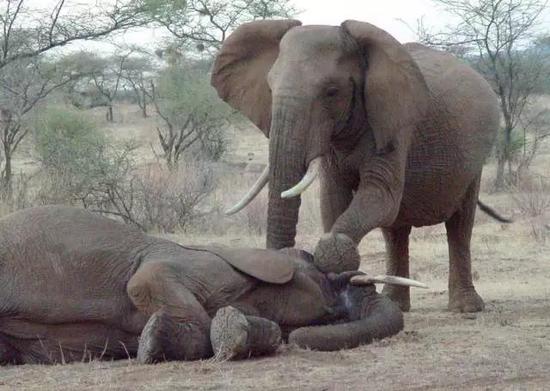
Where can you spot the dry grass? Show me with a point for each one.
(505, 347)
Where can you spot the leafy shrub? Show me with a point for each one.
(78, 161)
(67, 139)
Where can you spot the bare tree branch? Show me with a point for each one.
(206, 23)
(64, 25)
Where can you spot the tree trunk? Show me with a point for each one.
(503, 156)
(144, 106)
(171, 162)
(6, 174)
(109, 114)
(499, 180)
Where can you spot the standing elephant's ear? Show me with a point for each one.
(240, 70)
(396, 95)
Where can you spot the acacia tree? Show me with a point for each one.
(498, 36)
(107, 77)
(191, 118)
(137, 74)
(206, 23)
(23, 84)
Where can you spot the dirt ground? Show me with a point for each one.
(506, 347)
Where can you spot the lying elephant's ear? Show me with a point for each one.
(396, 95)
(266, 265)
(240, 70)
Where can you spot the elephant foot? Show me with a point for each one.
(336, 253)
(229, 333)
(165, 339)
(400, 295)
(234, 335)
(465, 300)
(150, 345)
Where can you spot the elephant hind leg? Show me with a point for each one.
(397, 264)
(164, 338)
(178, 327)
(462, 294)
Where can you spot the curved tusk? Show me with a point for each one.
(312, 173)
(252, 193)
(383, 279)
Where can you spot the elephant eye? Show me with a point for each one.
(332, 91)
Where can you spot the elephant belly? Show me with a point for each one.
(76, 330)
(440, 169)
(30, 343)
(433, 200)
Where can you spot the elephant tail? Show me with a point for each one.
(493, 213)
(380, 318)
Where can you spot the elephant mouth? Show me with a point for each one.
(312, 172)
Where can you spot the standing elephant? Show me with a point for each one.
(398, 132)
(75, 286)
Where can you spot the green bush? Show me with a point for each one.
(78, 160)
(67, 139)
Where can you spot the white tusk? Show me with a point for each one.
(253, 192)
(383, 279)
(312, 173)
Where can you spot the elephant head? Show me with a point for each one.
(354, 313)
(310, 88)
(367, 314)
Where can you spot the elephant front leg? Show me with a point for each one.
(336, 194)
(397, 264)
(372, 206)
(235, 335)
(178, 327)
(462, 294)
(375, 204)
(336, 197)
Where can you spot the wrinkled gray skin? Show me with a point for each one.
(76, 286)
(403, 131)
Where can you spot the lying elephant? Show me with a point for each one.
(76, 286)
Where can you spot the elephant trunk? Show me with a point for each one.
(375, 317)
(287, 162)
